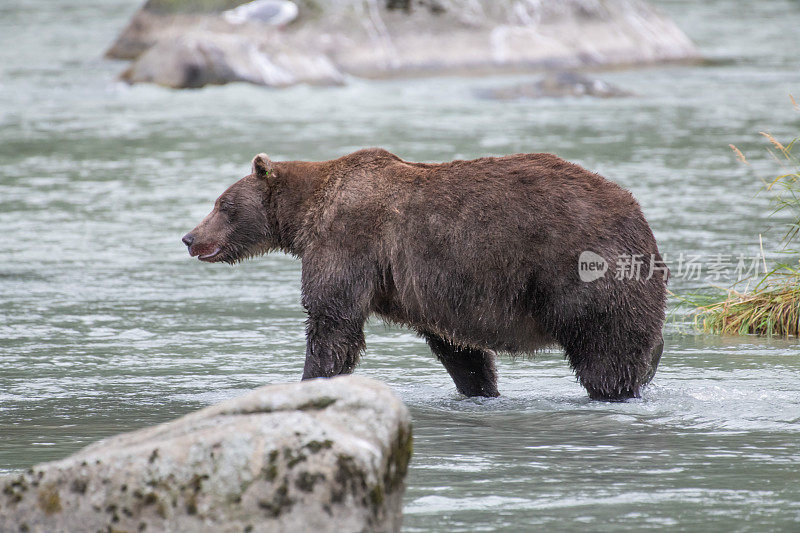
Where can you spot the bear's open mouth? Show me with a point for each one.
(210, 257)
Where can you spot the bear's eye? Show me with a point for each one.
(226, 208)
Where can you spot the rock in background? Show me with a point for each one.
(557, 85)
(322, 455)
(183, 43)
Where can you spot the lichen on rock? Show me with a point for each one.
(322, 455)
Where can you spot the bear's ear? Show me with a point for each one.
(262, 166)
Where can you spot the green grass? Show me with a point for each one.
(772, 307)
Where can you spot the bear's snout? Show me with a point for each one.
(205, 251)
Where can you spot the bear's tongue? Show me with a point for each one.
(211, 255)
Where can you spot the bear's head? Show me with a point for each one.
(239, 226)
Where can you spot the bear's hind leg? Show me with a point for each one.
(472, 369)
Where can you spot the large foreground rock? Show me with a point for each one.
(325, 455)
(178, 43)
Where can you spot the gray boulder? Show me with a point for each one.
(374, 38)
(323, 455)
(195, 61)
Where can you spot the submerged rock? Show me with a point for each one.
(555, 86)
(323, 455)
(329, 40)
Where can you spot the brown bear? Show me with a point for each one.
(478, 257)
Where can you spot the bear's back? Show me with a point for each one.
(491, 202)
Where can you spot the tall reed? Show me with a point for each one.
(772, 306)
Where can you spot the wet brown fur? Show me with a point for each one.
(477, 256)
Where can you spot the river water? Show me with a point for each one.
(106, 325)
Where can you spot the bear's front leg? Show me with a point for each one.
(336, 295)
(333, 344)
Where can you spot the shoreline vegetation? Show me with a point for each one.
(772, 306)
